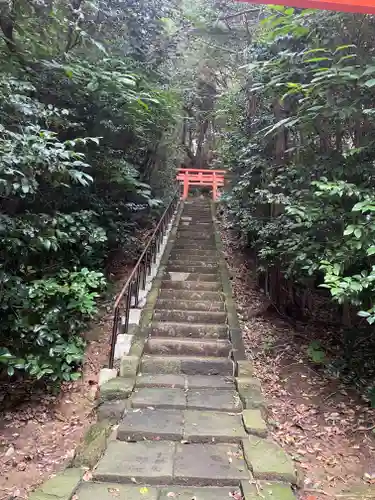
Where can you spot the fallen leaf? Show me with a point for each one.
(87, 476)
(143, 491)
(237, 495)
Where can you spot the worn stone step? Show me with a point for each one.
(196, 295)
(193, 247)
(195, 235)
(111, 491)
(193, 258)
(185, 268)
(187, 347)
(190, 305)
(176, 398)
(187, 365)
(195, 252)
(186, 382)
(182, 316)
(171, 329)
(190, 243)
(191, 285)
(197, 224)
(170, 463)
(185, 276)
(193, 426)
(189, 493)
(201, 264)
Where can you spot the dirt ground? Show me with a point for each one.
(325, 425)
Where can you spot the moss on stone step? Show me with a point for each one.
(93, 445)
(60, 487)
(268, 460)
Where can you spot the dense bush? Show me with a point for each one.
(87, 123)
(300, 144)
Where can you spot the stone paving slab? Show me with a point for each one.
(209, 427)
(200, 295)
(145, 462)
(115, 491)
(184, 381)
(187, 346)
(159, 397)
(196, 493)
(174, 329)
(151, 424)
(191, 285)
(209, 465)
(186, 365)
(254, 422)
(206, 366)
(209, 382)
(185, 316)
(190, 304)
(211, 399)
(269, 491)
(268, 460)
(161, 380)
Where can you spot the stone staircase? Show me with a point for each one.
(193, 426)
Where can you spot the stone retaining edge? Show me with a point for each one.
(235, 332)
(248, 387)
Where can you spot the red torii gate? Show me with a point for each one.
(200, 177)
(355, 6)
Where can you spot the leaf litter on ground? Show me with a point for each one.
(316, 418)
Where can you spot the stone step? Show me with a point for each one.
(187, 347)
(195, 235)
(188, 243)
(110, 491)
(186, 365)
(171, 329)
(185, 276)
(194, 252)
(196, 224)
(201, 264)
(221, 400)
(186, 382)
(210, 286)
(190, 305)
(170, 463)
(193, 426)
(193, 258)
(185, 268)
(191, 295)
(180, 316)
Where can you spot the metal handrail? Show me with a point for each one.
(136, 282)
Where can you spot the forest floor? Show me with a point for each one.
(325, 425)
(39, 431)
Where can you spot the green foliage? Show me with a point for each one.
(87, 123)
(300, 146)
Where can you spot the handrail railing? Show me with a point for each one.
(136, 282)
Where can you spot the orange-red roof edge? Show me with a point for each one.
(355, 6)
